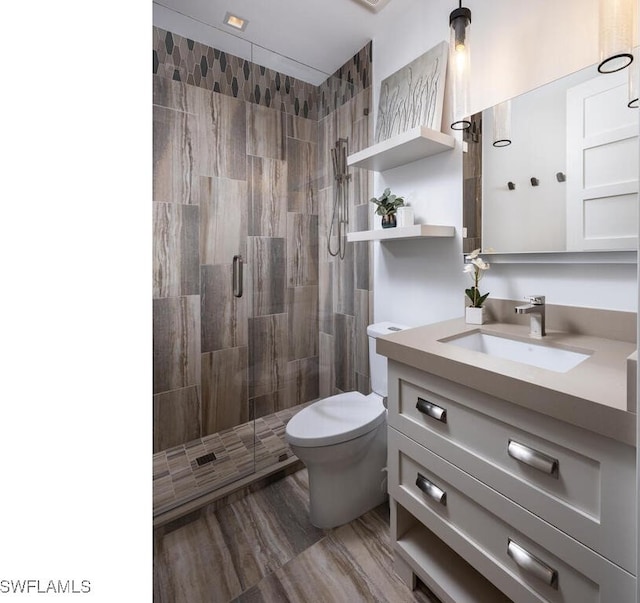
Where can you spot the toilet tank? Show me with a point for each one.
(378, 363)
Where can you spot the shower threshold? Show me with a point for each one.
(205, 470)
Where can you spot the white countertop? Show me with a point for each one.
(593, 395)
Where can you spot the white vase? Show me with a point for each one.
(474, 316)
(405, 216)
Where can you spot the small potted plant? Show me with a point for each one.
(387, 205)
(474, 314)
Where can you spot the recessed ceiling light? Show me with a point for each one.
(236, 22)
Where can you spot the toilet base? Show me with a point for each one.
(351, 482)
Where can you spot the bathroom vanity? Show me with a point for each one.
(508, 481)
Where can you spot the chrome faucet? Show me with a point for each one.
(536, 309)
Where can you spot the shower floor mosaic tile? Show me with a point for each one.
(184, 473)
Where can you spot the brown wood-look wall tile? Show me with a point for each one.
(221, 125)
(344, 282)
(224, 389)
(302, 250)
(170, 94)
(223, 220)
(359, 135)
(344, 120)
(268, 404)
(362, 249)
(176, 343)
(361, 338)
(361, 188)
(344, 342)
(327, 137)
(267, 354)
(361, 131)
(302, 176)
(362, 261)
(303, 383)
(303, 322)
(302, 128)
(325, 215)
(371, 313)
(266, 275)
(268, 197)
(326, 363)
(325, 295)
(174, 149)
(176, 418)
(362, 216)
(176, 268)
(224, 316)
(363, 384)
(266, 132)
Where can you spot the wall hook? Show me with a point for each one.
(561, 177)
(535, 182)
(511, 186)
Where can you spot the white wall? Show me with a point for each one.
(515, 47)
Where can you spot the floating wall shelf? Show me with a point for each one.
(409, 146)
(416, 231)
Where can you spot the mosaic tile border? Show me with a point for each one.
(186, 60)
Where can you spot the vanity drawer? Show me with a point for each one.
(525, 557)
(578, 481)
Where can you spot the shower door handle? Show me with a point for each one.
(237, 275)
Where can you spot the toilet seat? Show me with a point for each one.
(335, 419)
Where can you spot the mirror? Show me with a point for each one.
(569, 179)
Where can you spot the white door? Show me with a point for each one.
(602, 165)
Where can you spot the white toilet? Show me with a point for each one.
(342, 440)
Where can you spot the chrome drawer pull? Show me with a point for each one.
(533, 458)
(431, 489)
(530, 563)
(436, 412)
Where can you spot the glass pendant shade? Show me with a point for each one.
(634, 83)
(617, 22)
(502, 124)
(459, 61)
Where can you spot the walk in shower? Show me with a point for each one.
(252, 316)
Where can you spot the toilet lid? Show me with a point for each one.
(335, 419)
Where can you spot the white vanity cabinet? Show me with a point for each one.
(491, 501)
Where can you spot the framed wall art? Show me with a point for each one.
(414, 95)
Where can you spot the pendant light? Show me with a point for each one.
(617, 21)
(459, 21)
(502, 124)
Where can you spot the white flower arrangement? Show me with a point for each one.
(475, 268)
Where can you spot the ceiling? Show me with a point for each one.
(307, 39)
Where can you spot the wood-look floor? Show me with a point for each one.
(263, 549)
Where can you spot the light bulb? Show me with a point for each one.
(459, 21)
(617, 20)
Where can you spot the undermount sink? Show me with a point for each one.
(543, 356)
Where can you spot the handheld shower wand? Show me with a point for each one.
(340, 215)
